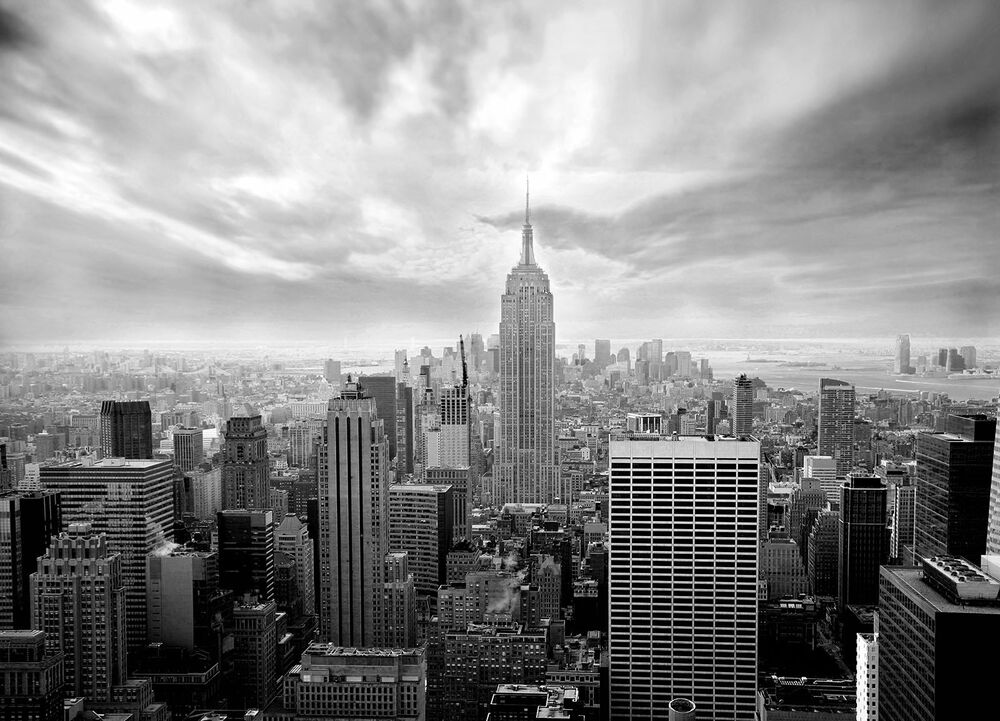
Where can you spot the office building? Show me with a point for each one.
(245, 466)
(902, 361)
(782, 567)
(602, 352)
(683, 575)
(353, 519)
(481, 657)
(28, 523)
(382, 390)
(331, 371)
(863, 539)
(206, 492)
(903, 513)
(129, 501)
(186, 605)
(78, 598)
(809, 496)
(742, 410)
(404, 428)
(189, 448)
(303, 436)
(936, 625)
(527, 702)
(968, 353)
(255, 653)
(525, 470)
(954, 473)
(823, 469)
(292, 538)
(993, 521)
(126, 429)
(823, 554)
(460, 480)
(32, 678)
(399, 601)
(800, 698)
(836, 423)
(246, 552)
(336, 682)
(454, 425)
(421, 524)
(955, 362)
(866, 677)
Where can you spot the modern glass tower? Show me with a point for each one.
(525, 470)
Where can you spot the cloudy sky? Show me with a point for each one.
(321, 171)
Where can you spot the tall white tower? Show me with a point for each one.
(525, 470)
(683, 576)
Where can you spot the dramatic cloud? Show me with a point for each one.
(329, 171)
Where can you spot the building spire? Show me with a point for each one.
(527, 240)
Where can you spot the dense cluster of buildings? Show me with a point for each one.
(496, 533)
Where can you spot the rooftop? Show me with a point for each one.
(332, 649)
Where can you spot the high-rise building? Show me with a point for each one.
(245, 466)
(421, 524)
(404, 429)
(942, 357)
(742, 411)
(902, 362)
(126, 429)
(335, 682)
(460, 480)
(863, 539)
(185, 603)
(331, 371)
(78, 600)
(302, 438)
(189, 448)
(836, 423)
(968, 353)
(903, 513)
(483, 656)
(525, 470)
(455, 431)
(955, 361)
(206, 492)
(32, 678)
(683, 575)
(866, 677)
(823, 469)
(292, 538)
(399, 601)
(382, 390)
(132, 503)
(28, 522)
(246, 552)
(993, 522)
(823, 554)
(931, 620)
(953, 481)
(353, 520)
(602, 352)
(255, 653)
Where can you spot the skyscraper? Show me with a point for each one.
(78, 600)
(836, 423)
(28, 523)
(742, 413)
(382, 390)
(126, 429)
(189, 450)
(953, 488)
(683, 575)
(525, 469)
(292, 538)
(993, 522)
(246, 552)
(902, 363)
(968, 353)
(185, 602)
(353, 516)
(863, 539)
(935, 625)
(246, 471)
(33, 677)
(132, 503)
(602, 352)
(421, 523)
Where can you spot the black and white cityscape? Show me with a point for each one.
(499, 361)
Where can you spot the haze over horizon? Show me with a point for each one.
(259, 173)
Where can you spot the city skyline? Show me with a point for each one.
(157, 163)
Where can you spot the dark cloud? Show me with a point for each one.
(14, 33)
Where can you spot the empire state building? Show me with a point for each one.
(525, 469)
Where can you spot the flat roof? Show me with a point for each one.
(912, 579)
(110, 463)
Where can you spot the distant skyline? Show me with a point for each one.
(309, 172)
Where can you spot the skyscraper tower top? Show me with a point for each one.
(527, 235)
